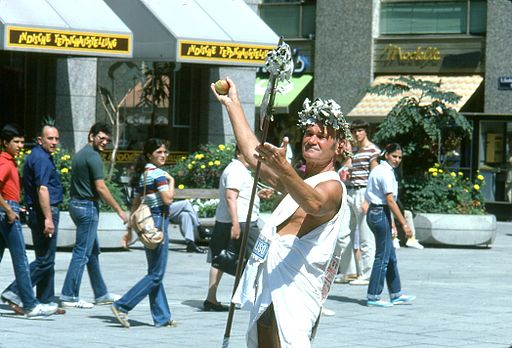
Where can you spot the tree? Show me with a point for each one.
(421, 122)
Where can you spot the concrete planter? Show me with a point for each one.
(110, 231)
(457, 230)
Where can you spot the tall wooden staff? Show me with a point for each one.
(280, 66)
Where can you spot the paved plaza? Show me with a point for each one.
(464, 300)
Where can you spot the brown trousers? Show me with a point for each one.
(268, 336)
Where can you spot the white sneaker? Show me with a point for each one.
(413, 243)
(107, 299)
(77, 304)
(396, 243)
(328, 312)
(42, 310)
(360, 281)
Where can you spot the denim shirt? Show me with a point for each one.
(40, 170)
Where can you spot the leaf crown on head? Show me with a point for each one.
(324, 112)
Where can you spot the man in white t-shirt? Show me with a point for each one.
(235, 188)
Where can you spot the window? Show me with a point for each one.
(27, 90)
(291, 19)
(495, 160)
(433, 17)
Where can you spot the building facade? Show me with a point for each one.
(154, 59)
(461, 43)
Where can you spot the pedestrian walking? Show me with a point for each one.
(158, 187)
(382, 193)
(43, 194)
(86, 189)
(11, 235)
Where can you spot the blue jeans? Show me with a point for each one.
(85, 215)
(12, 238)
(385, 265)
(42, 269)
(152, 283)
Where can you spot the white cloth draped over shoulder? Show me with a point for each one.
(292, 273)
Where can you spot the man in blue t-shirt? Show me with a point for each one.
(87, 187)
(43, 194)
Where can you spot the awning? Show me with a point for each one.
(199, 31)
(288, 94)
(377, 107)
(78, 27)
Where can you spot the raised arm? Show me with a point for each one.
(245, 137)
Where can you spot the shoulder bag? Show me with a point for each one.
(141, 220)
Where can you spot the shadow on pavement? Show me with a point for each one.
(347, 300)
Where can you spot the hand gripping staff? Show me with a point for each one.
(279, 64)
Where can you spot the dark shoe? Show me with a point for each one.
(193, 248)
(204, 233)
(216, 307)
(17, 309)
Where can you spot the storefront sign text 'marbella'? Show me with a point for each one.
(429, 54)
(67, 40)
(209, 51)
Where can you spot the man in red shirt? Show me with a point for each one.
(11, 235)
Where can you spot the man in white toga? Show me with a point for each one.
(288, 275)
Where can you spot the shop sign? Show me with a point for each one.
(505, 82)
(428, 54)
(217, 52)
(71, 41)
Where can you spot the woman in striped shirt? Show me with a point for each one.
(159, 195)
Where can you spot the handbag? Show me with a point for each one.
(141, 220)
(226, 261)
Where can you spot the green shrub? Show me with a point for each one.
(441, 190)
(203, 168)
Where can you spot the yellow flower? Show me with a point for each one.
(449, 185)
(432, 170)
(199, 156)
(441, 171)
(210, 163)
(203, 166)
(190, 166)
(181, 186)
(453, 174)
(217, 162)
(183, 158)
(476, 187)
(28, 152)
(436, 165)
(460, 173)
(480, 177)
(64, 170)
(221, 147)
(434, 174)
(193, 162)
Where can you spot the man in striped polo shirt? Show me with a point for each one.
(365, 158)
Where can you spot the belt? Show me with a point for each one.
(85, 198)
(378, 205)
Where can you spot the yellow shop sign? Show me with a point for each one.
(217, 52)
(394, 52)
(64, 40)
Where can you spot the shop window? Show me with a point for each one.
(27, 90)
(439, 17)
(495, 159)
(291, 19)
